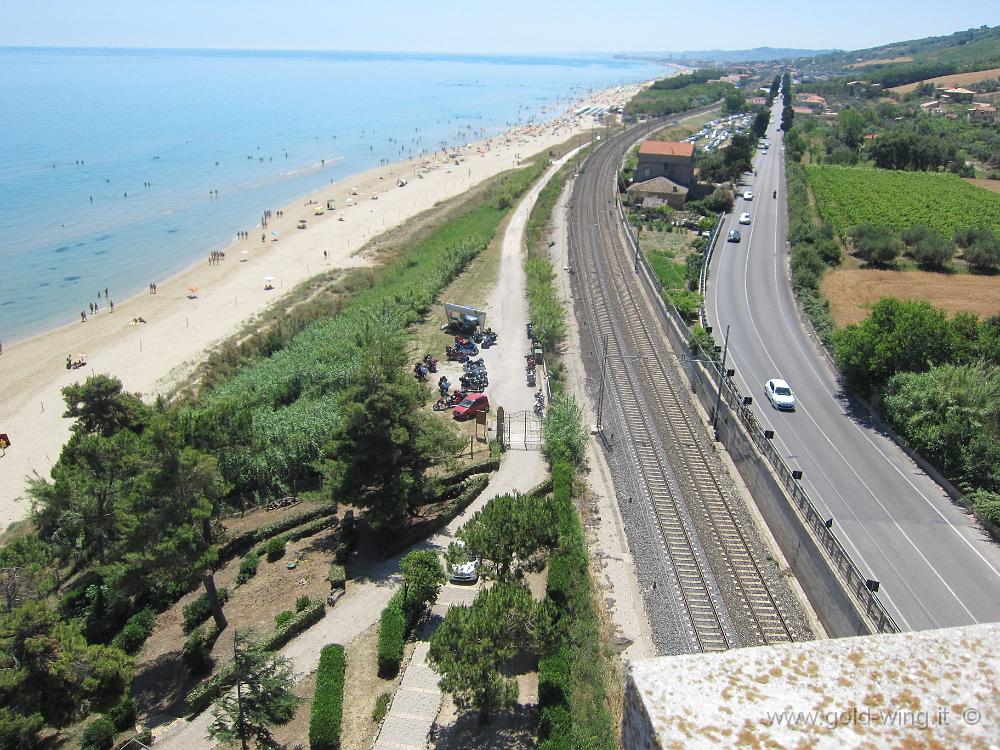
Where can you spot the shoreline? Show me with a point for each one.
(182, 326)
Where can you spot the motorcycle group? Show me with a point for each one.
(474, 379)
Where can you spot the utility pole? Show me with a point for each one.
(600, 392)
(722, 374)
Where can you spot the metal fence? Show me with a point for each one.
(703, 371)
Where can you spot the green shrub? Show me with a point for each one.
(302, 602)
(99, 735)
(381, 707)
(242, 542)
(275, 548)
(197, 653)
(136, 631)
(342, 552)
(298, 623)
(200, 610)
(391, 637)
(337, 576)
(122, 714)
(248, 567)
(283, 618)
(328, 701)
(986, 504)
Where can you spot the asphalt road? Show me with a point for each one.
(936, 567)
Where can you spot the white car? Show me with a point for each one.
(465, 571)
(779, 393)
(744, 218)
(748, 195)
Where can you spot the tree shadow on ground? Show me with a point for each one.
(513, 729)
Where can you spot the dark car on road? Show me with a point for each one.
(734, 235)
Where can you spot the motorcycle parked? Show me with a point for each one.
(450, 402)
(420, 371)
(443, 385)
(432, 364)
(455, 355)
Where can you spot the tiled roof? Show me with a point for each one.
(666, 148)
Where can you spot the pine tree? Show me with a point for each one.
(261, 698)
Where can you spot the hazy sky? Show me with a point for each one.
(471, 26)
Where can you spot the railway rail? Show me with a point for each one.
(727, 599)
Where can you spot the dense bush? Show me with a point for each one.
(248, 567)
(301, 621)
(951, 415)
(122, 714)
(136, 631)
(302, 603)
(99, 735)
(283, 618)
(200, 610)
(548, 317)
(986, 504)
(898, 336)
(328, 701)
(275, 548)
(197, 653)
(391, 637)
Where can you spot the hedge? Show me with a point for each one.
(415, 532)
(240, 543)
(571, 675)
(391, 637)
(328, 700)
(337, 576)
(202, 696)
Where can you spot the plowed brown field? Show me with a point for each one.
(957, 79)
(852, 291)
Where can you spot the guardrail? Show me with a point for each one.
(704, 372)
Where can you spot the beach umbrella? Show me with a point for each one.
(192, 289)
(268, 278)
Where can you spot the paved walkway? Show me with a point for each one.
(418, 697)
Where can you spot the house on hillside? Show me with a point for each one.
(813, 101)
(958, 95)
(657, 192)
(982, 112)
(802, 110)
(671, 159)
(933, 107)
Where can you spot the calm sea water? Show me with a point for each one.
(108, 157)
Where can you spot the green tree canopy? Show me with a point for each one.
(898, 336)
(50, 674)
(261, 698)
(508, 533)
(475, 647)
(423, 577)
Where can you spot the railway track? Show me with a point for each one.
(727, 599)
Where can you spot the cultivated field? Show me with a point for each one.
(848, 196)
(852, 291)
(958, 79)
(881, 61)
(992, 185)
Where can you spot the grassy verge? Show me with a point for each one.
(574, 672)
(811, 252)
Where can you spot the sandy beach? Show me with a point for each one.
(181, 325)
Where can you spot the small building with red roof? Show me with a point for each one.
(671, 159)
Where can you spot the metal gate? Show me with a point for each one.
(522, 430)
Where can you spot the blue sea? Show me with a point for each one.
(109, 158)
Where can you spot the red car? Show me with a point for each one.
(476, 403)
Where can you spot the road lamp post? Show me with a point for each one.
(722, 375)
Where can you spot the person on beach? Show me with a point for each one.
(324, 255)
(111, 304)
(105, 292)
(83, 316)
